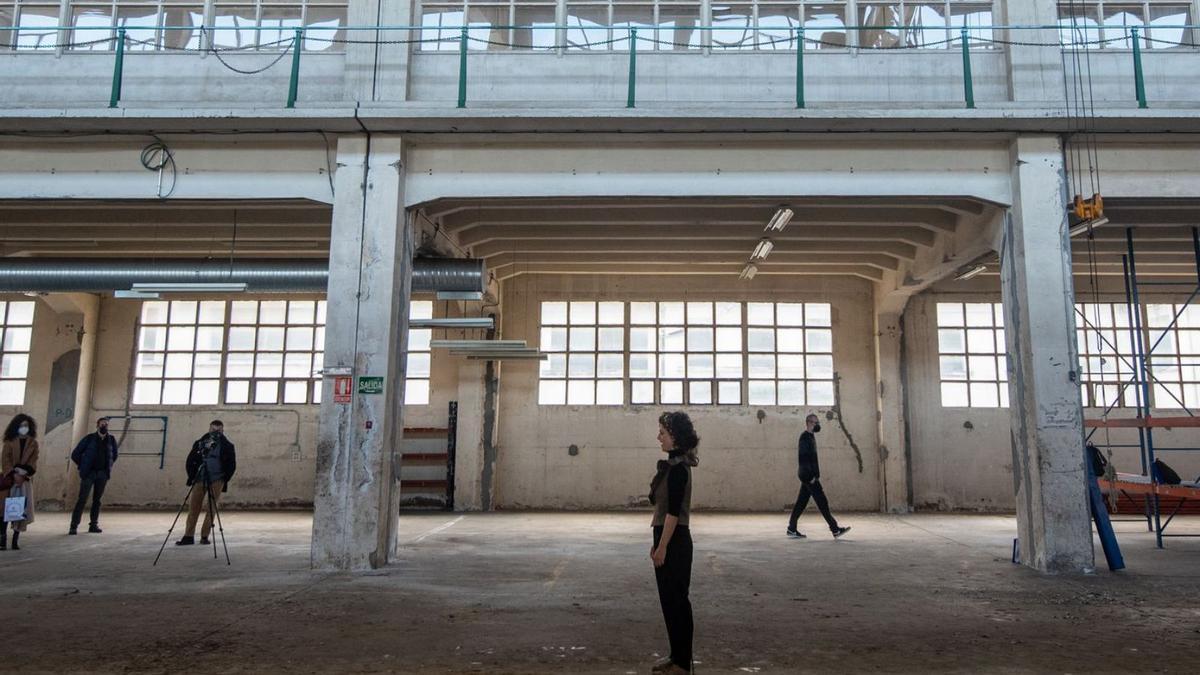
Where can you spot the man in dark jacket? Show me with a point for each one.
(94, 455)
(210, 466)
(810, 481)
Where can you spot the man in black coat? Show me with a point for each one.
(810, 481)
(210, 466)
(95, 455)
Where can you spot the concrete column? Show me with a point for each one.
(370, 272)
(378, 72)
(81, 424)
(1047, 413)
(468, 466)
(895, 477)
(1035, 73)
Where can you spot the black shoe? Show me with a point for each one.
(204, 541)
(840, 531)
(15, 547)
(186, 541)
(795, 534)
(3, 546)
(94, 529)
(72, 531)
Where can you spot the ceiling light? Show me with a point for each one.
(454, 322)
(135, 295)
(1087, 225)
(490, 345)
(779, 221)
(197, 287)
(970, 271)
(748, 271)
(460, 295)
(763, 249)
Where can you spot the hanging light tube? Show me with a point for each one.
(192, 287)
(748, 271)
(763, 249)
(779, 221)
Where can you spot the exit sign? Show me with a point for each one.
(370, 385)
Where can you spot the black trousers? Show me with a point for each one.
(812, 489)
(674, 579)
(93, 483)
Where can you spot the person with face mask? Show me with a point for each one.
(94, 455)
(810, 481)
(18, 462)
(210, 466)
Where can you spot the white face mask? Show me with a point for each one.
(23, 430)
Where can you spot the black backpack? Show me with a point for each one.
(1166, 475)
(1096, 460)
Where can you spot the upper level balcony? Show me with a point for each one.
(851, 59)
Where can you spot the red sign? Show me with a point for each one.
(342, 386)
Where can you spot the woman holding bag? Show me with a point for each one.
(18, 463)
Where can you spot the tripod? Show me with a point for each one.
(214, 514)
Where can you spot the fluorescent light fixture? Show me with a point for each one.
(460, 295)
(748, 271)
(969, 272)
(779, 221)
(197, 287)
(453, 322)
(1083, 227)
(489, 345)
(763, 249)
(135, 295)
(538, 356)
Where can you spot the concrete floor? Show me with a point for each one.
(572, 592)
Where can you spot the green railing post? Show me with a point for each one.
(118, 70)
(631, 97)
(968, 85)
(294, 83)
(1139, 80)
(799, 67)
(462, 69)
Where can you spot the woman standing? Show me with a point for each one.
(19, 457)
(671, 495)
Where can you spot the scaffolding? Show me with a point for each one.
(1147, 484)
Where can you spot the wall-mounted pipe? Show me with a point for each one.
(97, 275)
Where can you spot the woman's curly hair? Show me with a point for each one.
(11, 432)
(679, 425)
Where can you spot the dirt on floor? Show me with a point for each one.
(574, 592)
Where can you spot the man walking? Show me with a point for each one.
(95, 455)
(810, 481)
(210, 466)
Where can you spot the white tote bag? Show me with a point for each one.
(14, 505)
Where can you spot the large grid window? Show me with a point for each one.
(1175, 362)
(490, 24)
(417, 372)
(1108, 23)
(685, 352)
(972, 355)
(16, 335)
(1105, 355)
(243, 352)
(586, 344)
(790, 354)
(256, 24)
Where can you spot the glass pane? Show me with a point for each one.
(791, 366)
(268, 365)
(205, 392)
(274, 312)
(760, 313)
(952, 342)
(1166, 24)
(820, 393)
(266, 391)
(208, 365)
(677, 26)
(154, 312)
(14, 365)
(419, 339)
(181, 339)
(581, 392)
(790, 314)
(670, 313)
(36, 22)
(153, 338)
(1118, 19)
(642, 339)
(299, 338)
(612, 313)
(270, 338)
(176, 392)
(954, 368)
(671, 365)
(954, 395)
(12, 392)
(587, 27)
(642, 313)
(820, 340)
(700, 393)
(761, 339)
(729, 365)
(791, 392)
(825, 26)
(729, 393)
(984, 395)
(791, 339)
(418, 365)
(700, 339)
(610, 392)
(610, 365)
(583, 313)
(552, 392)
(642, 365)
(982, 367)
(762, 392)
(885, 21)
(583, 339)
(210, 338)
(554, 340)
(179, 365)
(149, 365)
(541, 19)
(278, 24)
(420, 309)
(777, 26)
(762, 365)
(818, 315)
(183, 312)
(699, 366)
(979, 314)
(239, 364)
(146, 392)
(416, 392)
(18, 339)
(180, 17)
(554, 366)
(981, 341)
(212, 312)
(729, 313)
(237, 391)
(243, 312)
(733, 26)
(320, 315)
(729, 339)
(820, 367)
(641, 392)
(612, 339)
(700, 313)
(950, 315)
(297, 392)
(235, 29)
(670, 393)
(301, 311)
(671, 339)
(581, 365)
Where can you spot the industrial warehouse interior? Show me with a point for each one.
(504, 336)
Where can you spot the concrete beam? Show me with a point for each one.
(863, 271)
(700, 260)
(915, 236)
(1053, 519)
(893, 249)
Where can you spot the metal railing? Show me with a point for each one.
(964, 39)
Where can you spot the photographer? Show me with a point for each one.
(210, 467)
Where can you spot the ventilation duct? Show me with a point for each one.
(97, 275)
